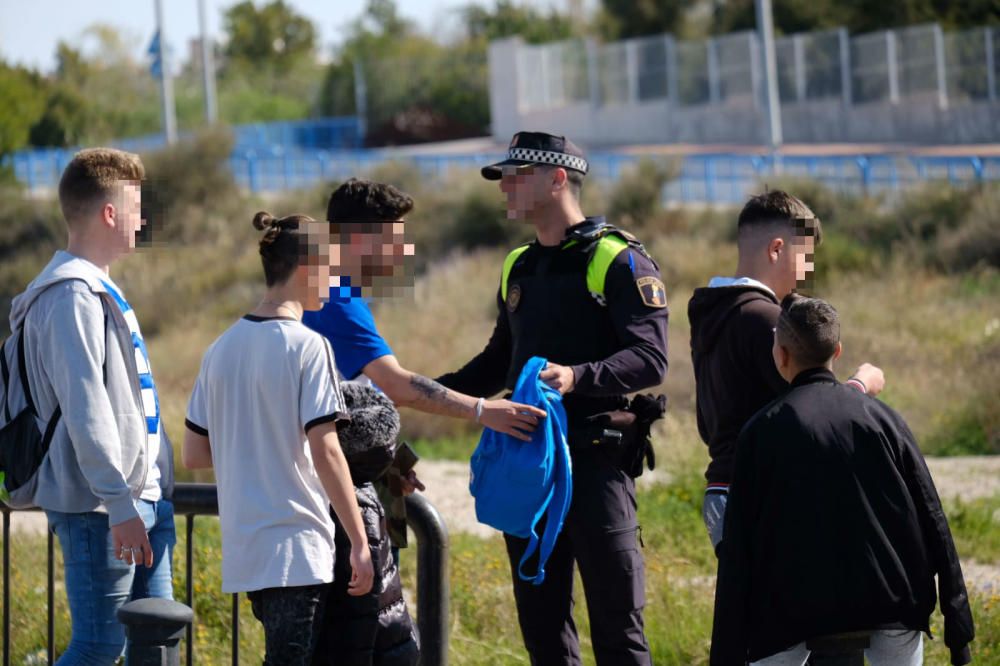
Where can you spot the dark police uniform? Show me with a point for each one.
(594, 303)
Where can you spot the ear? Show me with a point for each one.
(784, 357)
(837, 351)
(108, 213)
(774, 249)
(559, 179)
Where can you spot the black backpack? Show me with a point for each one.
(22, 445)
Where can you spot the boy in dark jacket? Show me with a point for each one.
(374, 629)
(833, 523)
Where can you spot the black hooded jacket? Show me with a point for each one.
(732, 330)
(833, 525)
(374, 629)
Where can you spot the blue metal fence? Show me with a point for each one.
(289, 156)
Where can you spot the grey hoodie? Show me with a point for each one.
(74, 330)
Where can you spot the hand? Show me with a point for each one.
(130, 538)
(409, 483)
(559, 377)
(362, 573)
(872, 377)
(511, 418)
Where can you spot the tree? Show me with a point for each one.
(506, 19)
(859, 16)
(19, 89)
(64, 122)
(274, 36)
(621, 19)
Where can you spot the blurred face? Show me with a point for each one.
(795, 260)
(528, 189)
(316, 267)
(126, 214)
(804, 253)
(370, 255)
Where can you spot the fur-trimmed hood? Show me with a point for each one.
(369, 439)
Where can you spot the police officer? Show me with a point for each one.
(588, 298)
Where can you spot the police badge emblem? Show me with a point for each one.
(513, 298)
(652, 291)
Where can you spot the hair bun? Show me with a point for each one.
(263, 220)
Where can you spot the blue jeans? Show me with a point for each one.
(98, 583)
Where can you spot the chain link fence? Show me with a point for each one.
(919, 62)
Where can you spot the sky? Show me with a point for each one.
(30, 29)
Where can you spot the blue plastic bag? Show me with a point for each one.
(515, 483)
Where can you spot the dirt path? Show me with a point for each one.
(962, 478)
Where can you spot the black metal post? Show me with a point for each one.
(433, 590)
(50, 649)
(6, 587)
(189, 585)
(236, 630)
(154, 628)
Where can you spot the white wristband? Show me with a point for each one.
(479, 408)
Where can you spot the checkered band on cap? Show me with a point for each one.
(548, 157)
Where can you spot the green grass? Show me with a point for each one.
(975, 526)
(449, 448)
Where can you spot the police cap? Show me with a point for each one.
(528, 148)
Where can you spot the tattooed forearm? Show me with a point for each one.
(433, 395)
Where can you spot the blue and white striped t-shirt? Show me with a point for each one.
(150, 401)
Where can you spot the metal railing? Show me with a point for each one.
(201, 499)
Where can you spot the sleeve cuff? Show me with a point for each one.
(195, 428)
(335, 417)
(961, 656)
(120, 509)
(854, 382)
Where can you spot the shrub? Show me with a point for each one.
(636, 200)
(190, 191)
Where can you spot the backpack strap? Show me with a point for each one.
(22, 369)
(50, 429)
(6, 381)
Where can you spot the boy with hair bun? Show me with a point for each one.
(264, 413)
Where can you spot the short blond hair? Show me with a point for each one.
(93, 178)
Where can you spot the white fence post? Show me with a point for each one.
(846, 82)
(991, 72)
(714, 87)
(593, 80)
(671, 53)
(939, 60)
(799, 58)
(632, 70)
(892, 66)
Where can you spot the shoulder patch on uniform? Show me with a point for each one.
(513, 298)
(652, 292)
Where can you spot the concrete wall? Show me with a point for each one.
(911, 120)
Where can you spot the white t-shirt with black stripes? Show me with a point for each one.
(262, 385)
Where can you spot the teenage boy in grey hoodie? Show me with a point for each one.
(106, 481)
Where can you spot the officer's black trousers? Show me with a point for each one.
(599, 535)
